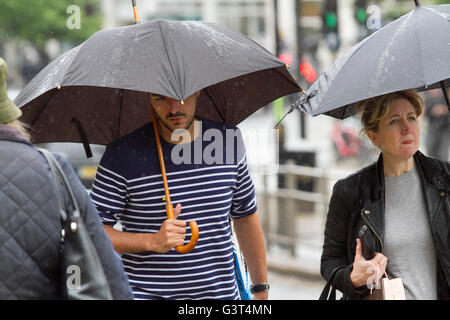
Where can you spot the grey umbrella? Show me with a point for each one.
(411, 52)
(97, 92)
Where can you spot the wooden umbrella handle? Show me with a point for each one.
(194, 232)
(169, 208)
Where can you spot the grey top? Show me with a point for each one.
(408, 242)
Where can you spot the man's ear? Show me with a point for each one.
(373, 137)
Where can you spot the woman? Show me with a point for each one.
(30, 225)
(393, 215)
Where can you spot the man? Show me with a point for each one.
(128, 188)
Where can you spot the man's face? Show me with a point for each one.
(172, 113)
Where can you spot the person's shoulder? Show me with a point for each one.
(222, 126)
(68, 170)
(434, 167)
(439, 164)
(120, 153)
(355, 178)
(62, 160)
(142, 134)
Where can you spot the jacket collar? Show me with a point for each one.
(11, 134)
(429, 173)
(379, 176)
(7, 130)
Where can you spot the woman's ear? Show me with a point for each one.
(373, 137)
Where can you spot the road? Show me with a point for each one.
(289, 287)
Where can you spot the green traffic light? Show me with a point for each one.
(331, 20)
(361, 15)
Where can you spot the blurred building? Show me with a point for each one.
(290, 28)
(252, 17)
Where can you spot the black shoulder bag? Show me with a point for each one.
(82, 274)
(328, 294)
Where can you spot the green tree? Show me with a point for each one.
(36, 21)
(402, 7)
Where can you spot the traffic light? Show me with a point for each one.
(330, 25)
(307, 71)
(286, 58)
(361, 18)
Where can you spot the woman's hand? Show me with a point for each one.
(367, 272)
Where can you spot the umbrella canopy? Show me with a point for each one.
(412, 52)
(97, 92)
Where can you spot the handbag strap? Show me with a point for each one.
(328, 294)
(61, 179)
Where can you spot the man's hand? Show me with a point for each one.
(366, 272)
(170, 235)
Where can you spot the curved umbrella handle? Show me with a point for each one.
(194, 232)
(169, 208)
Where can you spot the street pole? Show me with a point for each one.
(298, 8)
(277, 35)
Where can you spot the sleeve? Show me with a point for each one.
(109, 190)
(334, 254)
(111, 262)
(244, 197)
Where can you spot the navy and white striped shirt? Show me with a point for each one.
(128, 188)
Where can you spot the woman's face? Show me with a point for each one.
(398, 134)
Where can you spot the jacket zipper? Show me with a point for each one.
(373, 230)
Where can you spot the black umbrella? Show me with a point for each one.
(97, 92)
(412, 52)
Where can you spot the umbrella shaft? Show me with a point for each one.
(135, 12)
(160, 155)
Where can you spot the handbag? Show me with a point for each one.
(241, 274)
(391, 289)
(243, 283)
(329, 292)
(82, 274)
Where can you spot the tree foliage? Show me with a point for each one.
(39, 20)
(402, 7)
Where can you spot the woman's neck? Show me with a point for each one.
(394, 167)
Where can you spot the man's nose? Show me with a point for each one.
(174, 105)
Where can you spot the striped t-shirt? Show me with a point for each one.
(128, 188)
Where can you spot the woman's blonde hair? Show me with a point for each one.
(373, 110)
(21, 127)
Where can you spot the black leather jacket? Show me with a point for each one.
(358, 201)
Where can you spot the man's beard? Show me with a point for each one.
(188, 125)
